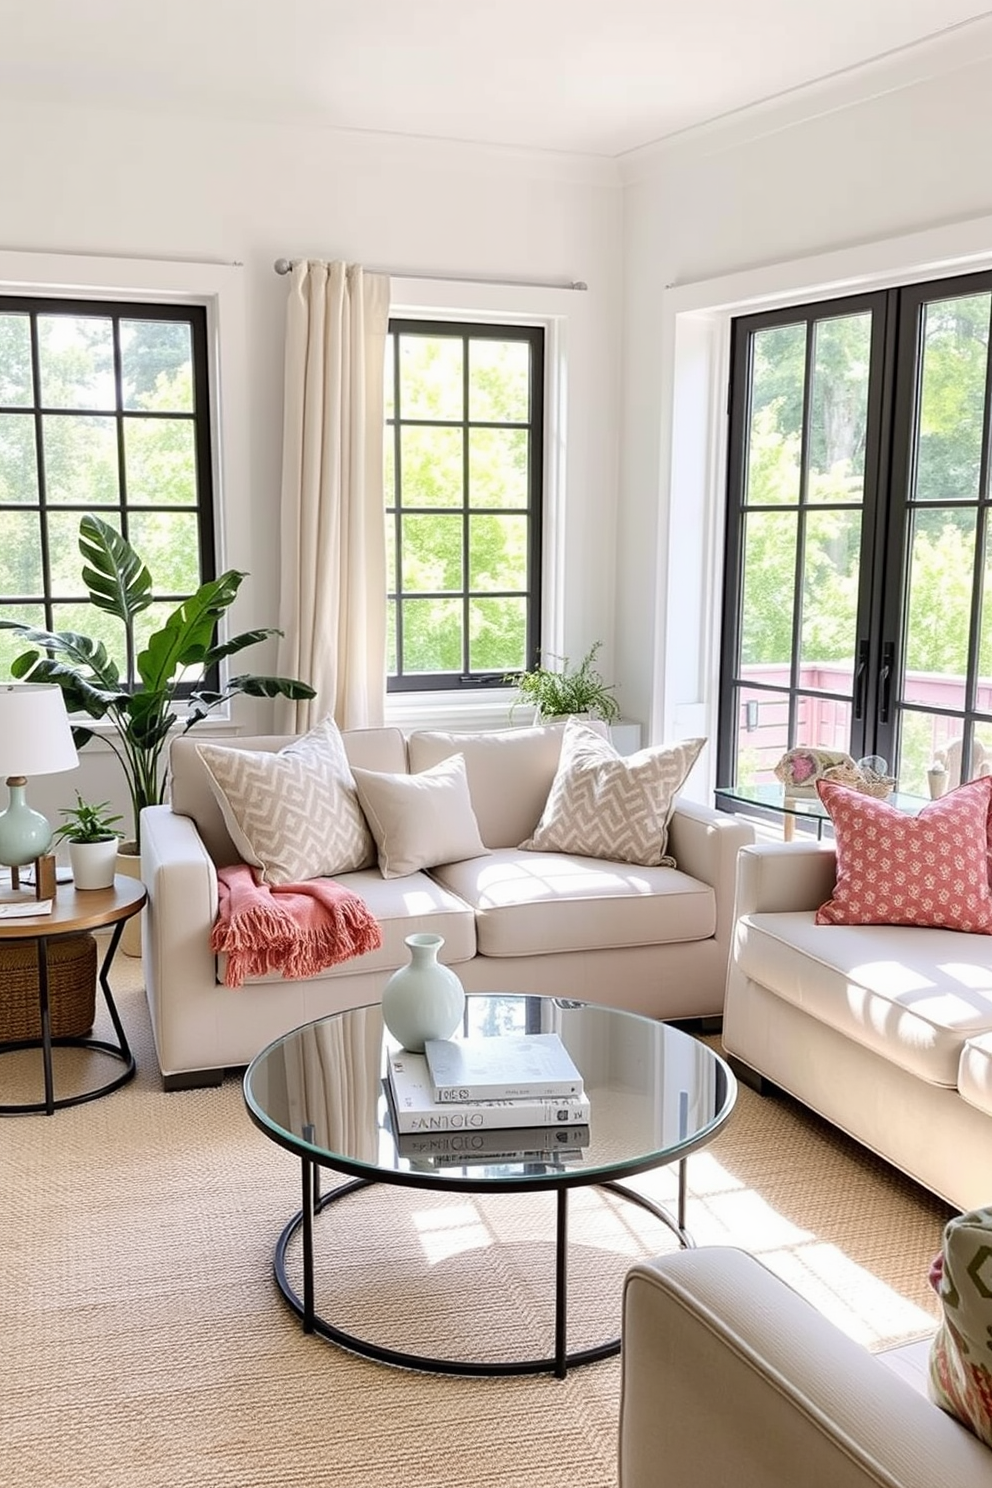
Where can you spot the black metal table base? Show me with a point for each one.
(314, 1203)
(120, 1051)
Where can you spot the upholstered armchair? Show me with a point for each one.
(732, 1380)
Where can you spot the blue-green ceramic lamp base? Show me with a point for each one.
(24, 834)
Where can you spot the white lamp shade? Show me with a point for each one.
(35, 738)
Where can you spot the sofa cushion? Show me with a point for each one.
(604, 805)
(422, 819)
(293, 814)
(894, 869)
(392, 901)
(975, 1074)
(192, 795)
(961, 1355)
(913, 995)
(535, 904)
(509, 774)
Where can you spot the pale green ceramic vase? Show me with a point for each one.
(423, 1000)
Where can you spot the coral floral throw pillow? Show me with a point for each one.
(894, 869)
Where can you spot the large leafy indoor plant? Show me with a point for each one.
(141, 717)
(558, 691)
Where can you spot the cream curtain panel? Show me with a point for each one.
(333, 576)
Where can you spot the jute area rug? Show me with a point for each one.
(144, 1342)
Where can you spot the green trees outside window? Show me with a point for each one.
(463, 463)
(858, 532)
(104, 410)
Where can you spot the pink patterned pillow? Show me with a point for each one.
(892, 869)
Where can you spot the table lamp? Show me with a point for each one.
(35, 739)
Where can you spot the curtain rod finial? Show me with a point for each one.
(283, 265)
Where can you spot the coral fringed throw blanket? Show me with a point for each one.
(295, 930)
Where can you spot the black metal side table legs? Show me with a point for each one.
(120, 1051)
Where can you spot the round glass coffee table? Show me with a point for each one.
(656, 1095)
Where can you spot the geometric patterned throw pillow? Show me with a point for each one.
(606, 805)
(961, 1354)
(893, 869)
(294, 814)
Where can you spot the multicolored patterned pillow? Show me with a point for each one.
(893, 869)
(961, 1353)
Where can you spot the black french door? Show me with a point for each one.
(857, 542)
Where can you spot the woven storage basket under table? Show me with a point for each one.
(71, 988)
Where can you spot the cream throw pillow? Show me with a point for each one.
(294, 814)
(419, 821)
(604, 805)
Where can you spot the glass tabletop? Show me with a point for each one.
(655, 1095)
(772, 797)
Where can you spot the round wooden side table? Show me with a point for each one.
(73, 911)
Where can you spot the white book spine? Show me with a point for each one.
(509, 1090)
(480, 1115)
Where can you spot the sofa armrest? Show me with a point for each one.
(784, 877)
(705, 843)
(730, 1377)
(181, 881)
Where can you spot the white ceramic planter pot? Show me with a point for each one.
(93, 863)
(129, 865)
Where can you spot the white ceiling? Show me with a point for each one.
(598, 77)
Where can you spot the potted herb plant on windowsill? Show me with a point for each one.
(92, 838)
(557, 692)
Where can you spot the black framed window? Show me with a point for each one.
(464, 464)
(858, 559)
(104, 408)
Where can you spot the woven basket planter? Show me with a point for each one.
(71, 988)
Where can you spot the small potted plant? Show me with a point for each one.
(556, 693)
(93, 837)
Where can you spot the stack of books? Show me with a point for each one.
(524, 1086)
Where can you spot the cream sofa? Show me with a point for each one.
(732, 1380)
(653, 940)
(884, 1030)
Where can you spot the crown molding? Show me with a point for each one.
(475, 157)
(954, 50)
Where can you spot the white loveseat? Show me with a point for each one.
(884, 1030)
(732, 1380)
(652, 940)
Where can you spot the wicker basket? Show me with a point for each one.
(881, 786)
(71, 988)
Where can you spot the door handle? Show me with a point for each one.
(885, 681)
(860, 674)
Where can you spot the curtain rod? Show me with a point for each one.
(285, 265)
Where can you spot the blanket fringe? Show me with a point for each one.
(262, 937)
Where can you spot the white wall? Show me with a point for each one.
(748, 206)
(103, 183)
